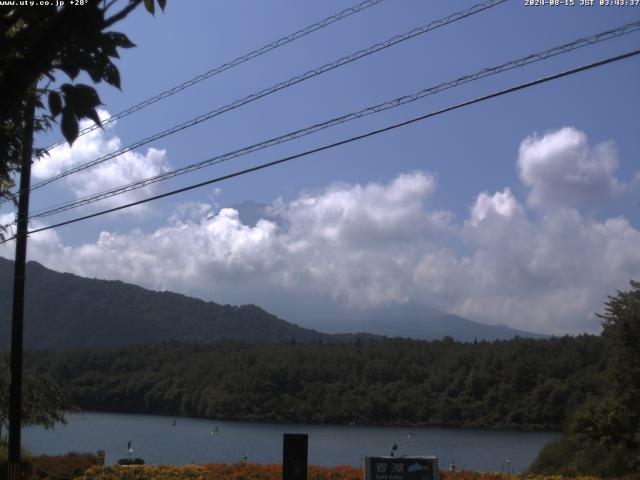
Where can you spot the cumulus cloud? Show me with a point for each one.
(376, 245)
(126, 168)
(502, 205)
(562, 169)
(555, 272)
(350, 214)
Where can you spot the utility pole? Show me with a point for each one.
(15, 392)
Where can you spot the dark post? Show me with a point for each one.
(294, 456)
(15, 392)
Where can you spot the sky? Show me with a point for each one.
(522, 210)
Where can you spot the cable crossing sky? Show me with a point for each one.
(520, 62)
(348, 140)
(480, 7)
(347, 12)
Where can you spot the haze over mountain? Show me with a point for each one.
(68, 311)
(424, 322)
(410, 319)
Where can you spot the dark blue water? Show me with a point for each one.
(157, 441)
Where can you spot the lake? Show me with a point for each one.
(193, 440)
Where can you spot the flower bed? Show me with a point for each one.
(268, 472)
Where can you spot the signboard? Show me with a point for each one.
(401, 468)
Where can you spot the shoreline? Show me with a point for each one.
(499, 428)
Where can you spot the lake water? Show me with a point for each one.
(192, 440)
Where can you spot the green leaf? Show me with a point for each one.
(89, 94)
(80, 100)
(94, 70)
(71, 70)
(67, 89)
(120, 39)
(150, 6)
(69, 125)
(111, 75)
(162, 4)
(55, 103)
(84, 99)
(108, 46)
(93, 115)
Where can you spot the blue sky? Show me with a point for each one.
(522, 210)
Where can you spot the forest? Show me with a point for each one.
(521, 383)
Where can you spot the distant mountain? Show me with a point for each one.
(412, 320)
(427, 323)
(66, 311)
(409, 320)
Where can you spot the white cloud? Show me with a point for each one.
(500, 204)
(347, 213)
(551, 274)
(562, 169)
(382, 244)
(126, 168)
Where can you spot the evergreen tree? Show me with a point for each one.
(603, 436)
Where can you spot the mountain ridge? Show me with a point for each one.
(65, 311)
(77, 312)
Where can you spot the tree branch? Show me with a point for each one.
(122, 13)
(108, 5)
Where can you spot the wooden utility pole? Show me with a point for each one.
(15, 392)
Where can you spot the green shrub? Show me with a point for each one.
(555, 458)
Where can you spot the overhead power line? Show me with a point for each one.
(226, 66)
(346, 141)
(520, 62)
(279, 86)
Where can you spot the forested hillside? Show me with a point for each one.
(65, 311)
(522, 383)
